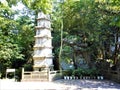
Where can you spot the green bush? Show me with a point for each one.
(77, 72)
(64, 73)
(68, 72)
(81, 72)
(86, 72)
(94, 72)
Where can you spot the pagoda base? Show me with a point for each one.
(40, 68)
(43, 68)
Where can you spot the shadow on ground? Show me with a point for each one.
(105, 84)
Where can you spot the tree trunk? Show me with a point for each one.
(116, 48)
(61, 44)
(74, 59)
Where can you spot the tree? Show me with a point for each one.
(111, 10)
(91, 21)
(76, 21)
(9, 50)
(39, 5)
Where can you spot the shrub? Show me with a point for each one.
(85, 72)
(94, 72)
(68, 72)
(81, 72)
(78, 72)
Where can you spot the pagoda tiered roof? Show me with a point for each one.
(41, 47)
(43, 27)
(38, 57)
(43, 18)
(45, 36)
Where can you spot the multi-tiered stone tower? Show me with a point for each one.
(43, 43)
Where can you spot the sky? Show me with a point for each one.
(19, 6)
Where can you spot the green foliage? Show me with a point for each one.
(78, 72)
(94, 22)
(67, 52)
(28, 67)
(18, 73)
(68, 72)
(39, 5)
(16, 37)
(82, 72)
(8, 53)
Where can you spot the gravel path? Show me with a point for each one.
(60, 85)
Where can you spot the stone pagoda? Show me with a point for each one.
(43, 43)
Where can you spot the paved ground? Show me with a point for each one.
(60, 85)
(90, 84)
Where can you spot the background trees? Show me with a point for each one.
(88, 27)
(9, 49)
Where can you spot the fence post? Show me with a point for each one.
(48, 75)
(118, 72)
(108, 74)
(22, 73)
